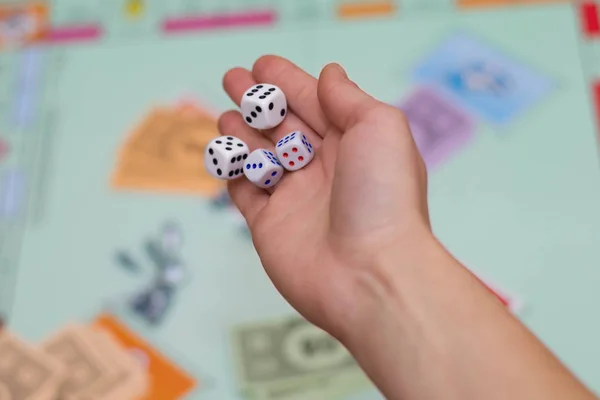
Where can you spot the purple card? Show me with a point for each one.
(440, 129)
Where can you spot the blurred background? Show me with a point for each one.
(114, 240)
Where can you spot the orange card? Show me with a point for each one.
(23, 23)
(165, 152)
(364, 9)
(167, 381)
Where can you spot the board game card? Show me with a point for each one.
(439, 128)
(3, 149)
(26, 372)
(75, 347)
(165, 153)
(22, 23)
(129, 380)
(166, 380)
(482, 79)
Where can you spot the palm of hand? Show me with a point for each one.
(360, 194)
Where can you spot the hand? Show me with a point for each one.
(319, 231)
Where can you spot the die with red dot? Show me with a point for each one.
(295, 151)
(263, 169)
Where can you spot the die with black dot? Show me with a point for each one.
(224, 157)
(264, 106)
(263, 169)
(295, 151)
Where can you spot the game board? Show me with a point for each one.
(107, 216)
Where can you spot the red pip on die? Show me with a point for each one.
(294, 151)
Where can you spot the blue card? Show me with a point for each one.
(482, 79)
(12, 194)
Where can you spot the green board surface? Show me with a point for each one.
(518, 203)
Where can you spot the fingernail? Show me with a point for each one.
(341, 69)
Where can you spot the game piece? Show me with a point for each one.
(264, 106)
(295, 151)
(263, 169)
(222, 200)
(154, 301)
(224, 157)
(127, 262)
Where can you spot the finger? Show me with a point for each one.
(248, 198)
(300, 89)
(232, 123)
(238, 80)
(343, 102)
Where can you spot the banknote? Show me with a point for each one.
(74, 346)
(329, 387)
(26, 372)
(290, 358)
(128, 379)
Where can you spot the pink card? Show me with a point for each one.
(3, 149)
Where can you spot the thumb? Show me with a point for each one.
(342, 101)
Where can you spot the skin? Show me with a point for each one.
(347, 241)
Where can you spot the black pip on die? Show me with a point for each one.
(295, 151)
(224, 157)
(263, 106)
(263, 169)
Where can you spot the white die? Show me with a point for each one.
(224, 157)
(264, 106)
(295, 151)
(263, 169)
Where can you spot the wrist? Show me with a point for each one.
(385, 283)
(387, 328)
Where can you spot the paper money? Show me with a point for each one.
(75, 347)
(27, 372)
(128, 379)
(329, 387)
(286, 358)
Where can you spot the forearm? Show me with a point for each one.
(427, 329)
